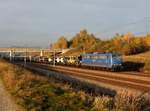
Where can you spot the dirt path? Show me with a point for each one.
(6, 103)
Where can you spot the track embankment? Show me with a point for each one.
(136, 82)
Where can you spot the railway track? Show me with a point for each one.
(141, 74)
(131, 81)
(120, 74)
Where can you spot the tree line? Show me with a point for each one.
(125, 44)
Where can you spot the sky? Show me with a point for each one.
(37, 23)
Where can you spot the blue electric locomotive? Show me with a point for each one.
(109, 61)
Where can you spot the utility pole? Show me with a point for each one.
(10, 55)
(54, 58)
(14, 55)
(41, 56)
(41, 53)
(25, 58)
(30, 56)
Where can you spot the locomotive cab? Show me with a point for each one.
(116, 62)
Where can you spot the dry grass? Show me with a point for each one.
(123, 101)
(142, 61)
(142, 58)
(39, 93)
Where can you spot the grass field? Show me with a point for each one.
(141, 61)
(38, 93)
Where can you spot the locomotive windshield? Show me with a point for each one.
(116, 55)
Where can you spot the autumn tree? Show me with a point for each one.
(117, 42)
(83, 40)
(127, 37)
(62, 43)
(125, 44)
(138, 45)
(147, 40)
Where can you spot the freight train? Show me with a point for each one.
(107, 61)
